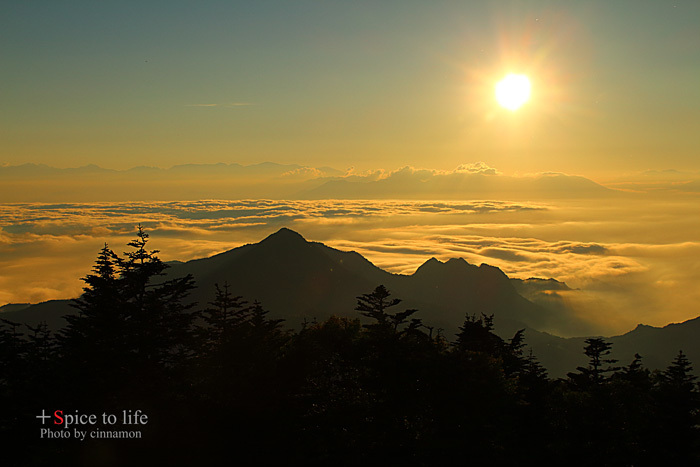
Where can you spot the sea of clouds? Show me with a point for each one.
(629, 262)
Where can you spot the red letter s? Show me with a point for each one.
(55, 414)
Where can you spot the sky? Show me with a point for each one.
(594, 181)
(363, 84)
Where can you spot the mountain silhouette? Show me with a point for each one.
(293, 278)
(51, 312)
(298, 280)
(658, 346)
(421, 185)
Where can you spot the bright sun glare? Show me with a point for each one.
(513, 91)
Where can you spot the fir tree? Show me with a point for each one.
(226, 313)
(679, 376)
(596, 349)
(160, 320)
(375, 305)
(96, 337)
(636, 374)
(41, 344)
(534, 374)
(679, 413)
(13, 350)
(514, 363)
(476, 335)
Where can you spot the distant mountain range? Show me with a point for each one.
(281, 181)
(269, 180)
(190, 170)
(412, 184)
(299, 280)
(90, 183)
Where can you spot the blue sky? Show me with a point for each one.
(367, 84)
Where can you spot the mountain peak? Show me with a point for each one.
(496, 271)
(430, 265)
(452, 265)
(284, 235)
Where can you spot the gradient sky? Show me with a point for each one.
(363, 83)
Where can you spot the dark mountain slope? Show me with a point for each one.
(297, 280)
(51, 312)
(293, 278)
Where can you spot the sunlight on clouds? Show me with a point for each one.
(45, 249)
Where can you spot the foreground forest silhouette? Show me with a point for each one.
(223, 383)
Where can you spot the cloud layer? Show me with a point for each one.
(41, 183)
(630, 262)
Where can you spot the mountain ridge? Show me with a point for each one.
(458, 185)
(297, 279)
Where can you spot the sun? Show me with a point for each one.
(513, 91)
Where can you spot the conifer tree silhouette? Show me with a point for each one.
(41, 344)
(533, 378)
(13, 349)
(476, 335)
(160, 320)
(334, 393)
(129, 326)
(261, 324)
(678, 376)
(679, 413)
(12, 346)
(636, 374)
(514, 362)
(225, 315)
(596, 349)
(96, 338)
(375, 305)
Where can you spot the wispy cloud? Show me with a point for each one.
(229, 104)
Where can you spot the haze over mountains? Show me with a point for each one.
(39, 182)
(299, 280)
(43, 183)
(409, 183)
